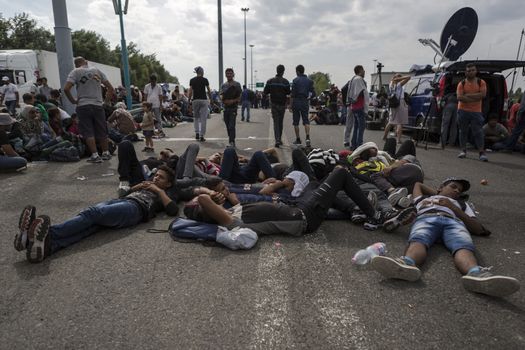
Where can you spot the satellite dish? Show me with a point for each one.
(459, 33)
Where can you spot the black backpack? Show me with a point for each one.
(344, 92)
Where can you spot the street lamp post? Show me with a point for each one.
(245, 10)
(251, 65)
(117, 5)
(219, 22)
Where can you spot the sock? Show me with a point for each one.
(408, 260)
(474, 270)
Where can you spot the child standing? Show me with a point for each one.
(148, 126)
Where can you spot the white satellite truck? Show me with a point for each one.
(24, 67)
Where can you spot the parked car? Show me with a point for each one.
(427, 90)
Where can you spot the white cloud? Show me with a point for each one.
(330, 36)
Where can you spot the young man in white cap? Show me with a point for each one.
(9, 93)
(442, 215)
(200, 100)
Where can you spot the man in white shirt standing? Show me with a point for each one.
(9, 93)
(153, 95)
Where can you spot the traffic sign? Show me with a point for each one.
(259, 85)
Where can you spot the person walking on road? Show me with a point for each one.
(358, 99)
(91, 115)
(302, 91)
(279, 90)
(200, 102)
(245, 103)
(153, 95)
(471, 91)
(231, 96)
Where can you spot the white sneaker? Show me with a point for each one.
(396, 195)
(123, 189)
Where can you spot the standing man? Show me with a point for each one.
(279, 90)
(471, 91)
(91, 115)
(231, 96)
(153, 95)
(10, 97)
(245, 103)
(44, 89)
(357, 98)
(302, 90)
(201, 102)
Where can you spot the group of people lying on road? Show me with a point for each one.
(370, 187)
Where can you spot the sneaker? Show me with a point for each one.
(483, 158)
(297, 141)
(106, 156)
(462, 155)
(358, 217)
(232, 144)
(277, 145)
(395, 268)
(95, 159)
(307, 142)
(405, 202)
(396, 195)
(202, 139)
(486, 283)
(346, 144)
(37, 237)
(197, 137)
(24, 223)
(373, 223)
(404, 217)
(372, 198)
(124, 188)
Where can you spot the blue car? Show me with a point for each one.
(426, 91)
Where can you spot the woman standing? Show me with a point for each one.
(399, 114)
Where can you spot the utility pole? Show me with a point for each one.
(64, 47)
(245, 10)
(219, 30)
(117, 5)
(251, 66)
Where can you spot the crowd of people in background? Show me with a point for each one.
(369, 186)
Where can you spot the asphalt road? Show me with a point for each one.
(129, 289)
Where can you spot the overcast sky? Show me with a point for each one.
(330, 36)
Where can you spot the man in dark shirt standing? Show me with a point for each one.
(230, 96)
(200, 103)
(302, 91)
(279, 90)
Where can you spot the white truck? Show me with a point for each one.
(23, 67)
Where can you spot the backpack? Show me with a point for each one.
(393, 101)
(185, 230)
(65, 154)
(344, 93)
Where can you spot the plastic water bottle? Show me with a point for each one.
(364, 256)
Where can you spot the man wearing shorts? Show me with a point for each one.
(302, 90)
(91, 116)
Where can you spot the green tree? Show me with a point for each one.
(321, 81)
(21, 32)
(91, 46)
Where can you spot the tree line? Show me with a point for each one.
(23, 32)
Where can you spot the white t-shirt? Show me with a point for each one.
(429, 204)
(63, 114)
(9, 92)
(153, 94)
(398, 90)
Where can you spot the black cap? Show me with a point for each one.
(464, 182)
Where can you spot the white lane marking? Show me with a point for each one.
(212, 138)
(272, 304)
(340, 321)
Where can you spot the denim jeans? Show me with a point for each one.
(278, 118)
(473, 121)
(349, 124)
(359, 127)
(245, 106)
(200, 116)
(11, 107)
(449, 124)
(428, 229)
(512, 140)
(230, 113)
(233, 172)
(116, 213)
(11, 163)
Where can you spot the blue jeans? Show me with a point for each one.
(11, 163)
(249, 173)
(245, 107)
(116, 213)
(230, 113)
(430, 228)
(473, 121)
(11, 107)
(300, 111)
(359, 127)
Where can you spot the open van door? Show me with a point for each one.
(488, 66)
